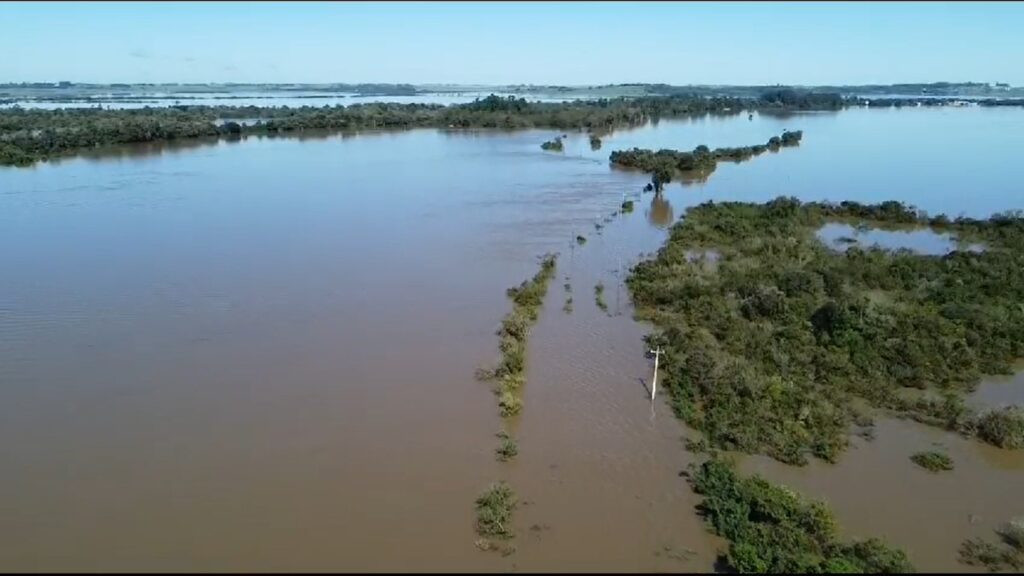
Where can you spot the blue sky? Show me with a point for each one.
(495, 43)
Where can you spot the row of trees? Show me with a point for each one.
(665, 163)
(30, 135)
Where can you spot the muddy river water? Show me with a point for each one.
(260, 355)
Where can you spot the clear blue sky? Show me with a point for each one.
(497, 43)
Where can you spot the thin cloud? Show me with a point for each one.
(140, 53)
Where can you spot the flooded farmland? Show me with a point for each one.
(260, 354)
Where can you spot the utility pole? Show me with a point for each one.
(654, 380)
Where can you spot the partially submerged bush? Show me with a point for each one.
(508, 449)
(995, 557)
(527, 299)
(933, 461)
(1003, 427)
(494, 511)
(1013, 533)
(773, 530)
(509, 404)
(599, 296)
(555, 144)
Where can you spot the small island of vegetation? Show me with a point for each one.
(553, 144)
(933, 461)
(664, 164)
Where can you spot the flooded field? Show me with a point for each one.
(260, 354)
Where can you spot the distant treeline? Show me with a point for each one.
(665, 163)
(800, 100)
(30, 135)
(62, 90)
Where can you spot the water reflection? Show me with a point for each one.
(660, 213)
(139, 150)
(919, 240)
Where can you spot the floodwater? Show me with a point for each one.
(918, 240)
(259, 354)
(875, 490)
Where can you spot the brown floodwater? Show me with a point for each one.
(259, 354)
(875, 490)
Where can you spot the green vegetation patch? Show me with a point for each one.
(1006, 555)
(933, 461)
(773, 530)
(599, 296)
(510, 373)
(507, 449)
(664, 164)
(494, 511)
(555, 144)
(627, 206)
(768, 352)
(1003, 427)
(28, 135)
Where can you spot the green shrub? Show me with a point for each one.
(555, 144)
(771, 529)
(508, 449)
(1003, 427)
(509, 404)
(599, 296)
(494, 511)
(979, 552)
(1013, 533)
(933, 461)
